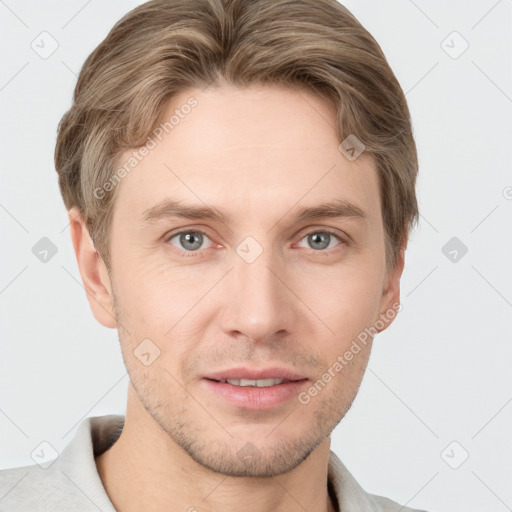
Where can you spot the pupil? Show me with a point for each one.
(188, 239)
(318, 237)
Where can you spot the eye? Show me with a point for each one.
(320, 240)
(189, 241)
(192, 241)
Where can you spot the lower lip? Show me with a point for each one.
(254, 398)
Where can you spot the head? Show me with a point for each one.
(241, 187)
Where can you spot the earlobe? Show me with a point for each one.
(93, 271)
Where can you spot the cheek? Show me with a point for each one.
(346, 298)
(153, 294)
(165, 307)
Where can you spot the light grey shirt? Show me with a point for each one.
(72, 484)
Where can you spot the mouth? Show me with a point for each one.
(255, 383)
(246, 376)
(257, 389)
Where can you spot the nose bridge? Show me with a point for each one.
(258, 304)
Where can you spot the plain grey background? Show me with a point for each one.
(431, 424)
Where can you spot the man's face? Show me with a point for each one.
(261, 289)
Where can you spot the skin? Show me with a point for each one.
(257, 154)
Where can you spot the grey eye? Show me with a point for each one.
(320, 240)
(189, 240)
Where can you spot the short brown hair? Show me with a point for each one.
(164, 47)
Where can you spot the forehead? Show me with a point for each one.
(248, 152)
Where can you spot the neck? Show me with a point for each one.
(146, 470)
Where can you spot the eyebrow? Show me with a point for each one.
(170, 208)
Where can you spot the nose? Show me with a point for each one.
(258, 303)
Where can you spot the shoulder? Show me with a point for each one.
(387, 505)
(30, 487)
(351, 497)
(68, 482)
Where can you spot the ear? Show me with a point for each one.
(390, 300)
(92, 270)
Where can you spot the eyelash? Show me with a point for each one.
(200, 253)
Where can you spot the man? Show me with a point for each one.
(240, 181)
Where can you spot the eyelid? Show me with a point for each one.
(187, 229)
(168, 236)
(323, 229)
(342, 236)
(343, 239)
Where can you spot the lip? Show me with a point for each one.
(254, 398)
(274, 372)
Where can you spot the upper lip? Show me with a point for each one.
(255, 374)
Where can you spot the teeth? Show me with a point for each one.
(259, 383)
